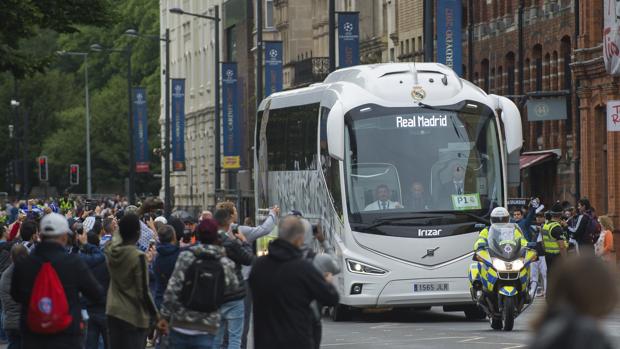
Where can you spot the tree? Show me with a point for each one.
(24, 19)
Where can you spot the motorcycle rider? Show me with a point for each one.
(499, 215)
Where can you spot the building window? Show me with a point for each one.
(420, 48)
(407, 46)
(231, 44)
(485, 75)
(268, 14)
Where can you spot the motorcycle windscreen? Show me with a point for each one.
(504, 243)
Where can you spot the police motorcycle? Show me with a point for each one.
(500, 279)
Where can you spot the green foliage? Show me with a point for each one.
(25, 19)
(55, 99)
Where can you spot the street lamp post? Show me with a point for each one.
(132, 167)
(217, 19)
(166, 164)
(89, 188)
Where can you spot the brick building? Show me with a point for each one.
(547, 45)
(600, 179)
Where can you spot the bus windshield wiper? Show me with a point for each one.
(470, 215)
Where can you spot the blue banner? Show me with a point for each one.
(230, 96)
(178, 124)
(140, 130)
(449, 45)
(348, 39)
(273, 67)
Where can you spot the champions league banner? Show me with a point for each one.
(232, 146)
(140, 130)
(273, 67)
(449, 48)
(348, 39)
(178, 124)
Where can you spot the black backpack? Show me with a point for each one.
(203, 288)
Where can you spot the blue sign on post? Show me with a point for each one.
(273, 67)
(348, 39)
(178, 124)
(449, 47)
(140, 130)
(232, 147)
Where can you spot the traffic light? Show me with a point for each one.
(43, 168)
(74, 174)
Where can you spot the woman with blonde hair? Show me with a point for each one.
(604, 246)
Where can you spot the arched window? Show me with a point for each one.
(510, 73)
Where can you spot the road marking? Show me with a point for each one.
(471, 339)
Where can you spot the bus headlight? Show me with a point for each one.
(363, 268)
(501, 265)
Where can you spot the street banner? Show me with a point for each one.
(273, 67)
(140, 130)
(611, 37)
(348, 39)
(546, 108)
(230, 99)
(178, 124)
(449, 46)
(613, 116)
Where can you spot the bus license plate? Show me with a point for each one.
(431, 287)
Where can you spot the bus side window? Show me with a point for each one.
(329, 165)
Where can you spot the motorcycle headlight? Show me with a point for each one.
(363, 268)
(501, 265)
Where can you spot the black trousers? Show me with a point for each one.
(123, 335)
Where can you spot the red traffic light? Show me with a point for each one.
(74, 174)
(43, 168)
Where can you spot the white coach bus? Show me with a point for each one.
(401, 163)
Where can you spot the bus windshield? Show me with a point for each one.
(413, 160)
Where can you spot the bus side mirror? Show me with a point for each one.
(335, 132)
(511, 120)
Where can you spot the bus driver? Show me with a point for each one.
(382, 193)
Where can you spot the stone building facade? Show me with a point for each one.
(192, 45)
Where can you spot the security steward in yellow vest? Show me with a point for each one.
(554, 239)
(498, 215)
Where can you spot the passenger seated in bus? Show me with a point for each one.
(418, 199)
(456, 186)
(382, 193)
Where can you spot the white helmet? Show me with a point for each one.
(500, 215)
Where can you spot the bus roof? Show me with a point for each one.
(388, 84)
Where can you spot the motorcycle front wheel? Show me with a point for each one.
(508, 313)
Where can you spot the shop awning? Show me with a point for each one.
(534, 158)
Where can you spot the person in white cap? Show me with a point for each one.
(73, 273)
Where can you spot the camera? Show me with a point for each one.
(187, 235)
(90, 205)
(315, 228)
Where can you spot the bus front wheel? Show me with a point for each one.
(341, 312)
